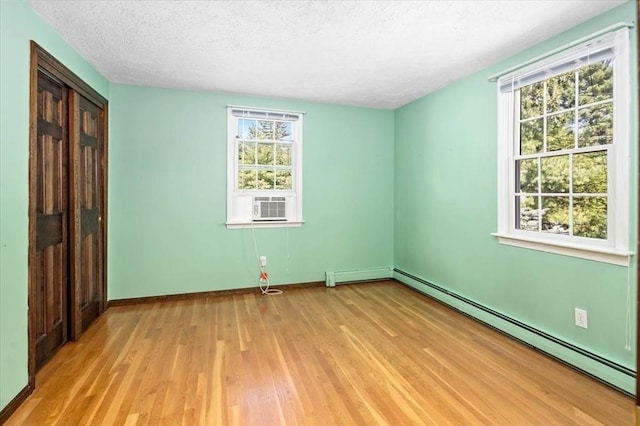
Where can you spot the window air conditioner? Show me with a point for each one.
(269, 208)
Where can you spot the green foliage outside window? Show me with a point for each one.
(264, 155)
(565, 193)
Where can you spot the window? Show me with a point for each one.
(264, 167)
(563, 152)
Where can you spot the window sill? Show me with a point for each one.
(597, 254)
(273, 224)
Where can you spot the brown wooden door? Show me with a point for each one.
(67, 206)
(51, 267)
(88, 284)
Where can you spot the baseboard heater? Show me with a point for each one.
(357, 275)
(595, 357)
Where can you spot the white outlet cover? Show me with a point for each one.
(581, 318)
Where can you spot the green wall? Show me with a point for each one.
(167, 195)
(446, 208)
(18, 25)
(426, 205)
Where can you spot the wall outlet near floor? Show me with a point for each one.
(581, 318)
(263, 260)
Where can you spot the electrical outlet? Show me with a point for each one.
(581, 318)
(263, 260)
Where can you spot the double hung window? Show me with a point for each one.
(563, 152)
(264, 179)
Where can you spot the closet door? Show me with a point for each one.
(87, 144)
(49, 189)
(67, 206)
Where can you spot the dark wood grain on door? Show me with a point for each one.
(67, 214)
(50, 160)
(87, 250)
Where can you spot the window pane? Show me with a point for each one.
(590, 217)
(561, 92)
(265, 154)
(265, 179)
(527, 213)
(246, 179)
(246, 153)
(265, 130)
(554, 172)
(595, 82)
(528, 175)
(283, 179)
(560, 131)
(531, 137)
(532, 100)
(590, 172)
(244, 128)
(283, 130)
(595, 125)
(555, 215)
(283, 155)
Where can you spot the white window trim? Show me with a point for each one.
(238, 216)
(257, 225)
(616, 249)
(615, 257)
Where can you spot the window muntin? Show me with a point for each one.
(565, 130)
(265, 154)
(563, 155)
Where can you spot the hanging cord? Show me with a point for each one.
(263, 280)
(288, 251)
(627, 325)
(627, 345)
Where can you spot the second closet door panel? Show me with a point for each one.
(87, 248)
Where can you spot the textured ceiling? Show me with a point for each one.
(380, 54)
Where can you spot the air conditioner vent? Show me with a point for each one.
(269, 208)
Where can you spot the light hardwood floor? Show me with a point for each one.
(374, 353)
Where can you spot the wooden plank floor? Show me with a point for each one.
(364, 354)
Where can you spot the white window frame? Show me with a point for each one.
(240, 201)
(615, 249)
